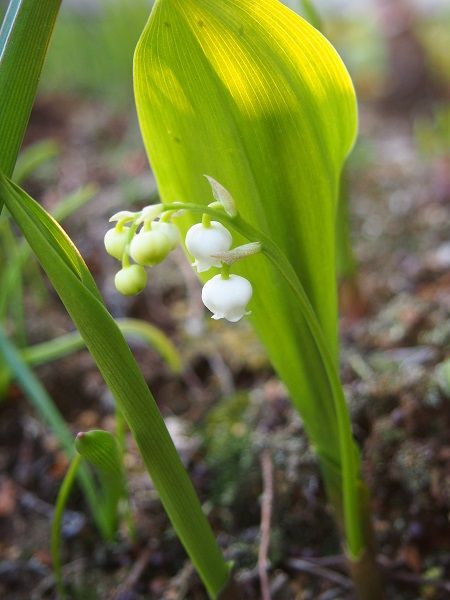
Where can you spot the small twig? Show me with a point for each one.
(331, 594)
(135, 574)
(305, 565)
(223, 374)
(390, 567)
(336, 561)
(266, 517)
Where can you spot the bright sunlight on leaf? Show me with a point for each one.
(252, 95)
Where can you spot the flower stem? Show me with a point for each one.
(131, 234)
(206, 220)
(225, 271)
(353, 527)
(63, 496)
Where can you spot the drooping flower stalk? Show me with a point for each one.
(225, 295)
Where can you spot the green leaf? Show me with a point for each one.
(73, 283)
(252, 95)
(68, 205)
(55, 538)
(36, 392)
(101, 449)
(311, 13)
(24, 38)
(33, 157)
(46, 408)
(131, 328)
(11, 294)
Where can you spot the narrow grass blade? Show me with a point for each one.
(311, 13)
(55, 538)
(24, 38)
(46, 408)
(73, 202)
(101, 449)
(33, 157)
(104, 340)
(65, 345)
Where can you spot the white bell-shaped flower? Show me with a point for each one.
(168, 229)
(227, 298)
(115, 241)
(204, 242)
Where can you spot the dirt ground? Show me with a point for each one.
(229, 416)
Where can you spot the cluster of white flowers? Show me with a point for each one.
(148, 236)
(137, 235)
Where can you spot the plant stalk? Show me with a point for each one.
(346, 492)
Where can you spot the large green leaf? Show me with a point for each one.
(248, 92)
(77, 290)
(24, 38)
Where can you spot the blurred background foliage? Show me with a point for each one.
(97, 39)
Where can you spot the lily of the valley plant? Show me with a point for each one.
(252, 95)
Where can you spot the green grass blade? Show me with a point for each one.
(73, 202)
(101, 449)
(11, 275)
(36, 392)
(24, 38)
(131, 328)
(311, 13)
(154, 337)
(55, 539)
(33, 157)
(121, 373)
(46, 408)
(346, 262)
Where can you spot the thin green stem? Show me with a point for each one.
(350, 476)
(131, 234)
(121, 426)
(76, 288)
(225, 271)
(24, 37)
(40, 399)
(206, 220)
(55, 542)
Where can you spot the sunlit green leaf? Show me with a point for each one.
(24, 37)
(252, 95)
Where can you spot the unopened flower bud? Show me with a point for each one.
(227, 298)
(131, 280)
(168, 229)
(150, 247)
(203, 242)
(115, 241)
